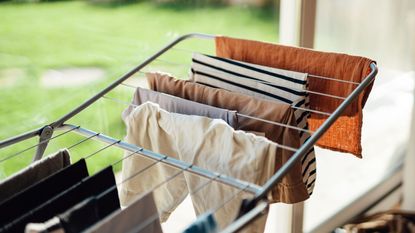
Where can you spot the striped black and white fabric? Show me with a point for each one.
(263, 82)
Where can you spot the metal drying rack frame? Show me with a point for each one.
(254, 207)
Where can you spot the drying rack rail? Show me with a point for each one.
(249, 187)
(254, 207)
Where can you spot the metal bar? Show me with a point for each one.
(276, 123)
(253, 188)
(332, 79)
(31, 147)
(291, 105)
(126, 76)
(313, 139)
(21, 137)
(282, 146)
(309, 75)
(44, 138)
(238, 114)
(264, 82)
(80, 142)
(247, 218)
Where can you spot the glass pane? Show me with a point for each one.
(383, 31)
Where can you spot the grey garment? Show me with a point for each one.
(139, 217)
(51, 226)
(175, 104)
(34, 173)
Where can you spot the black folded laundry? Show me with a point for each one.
(39, 193)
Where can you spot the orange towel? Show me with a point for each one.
(345, 134)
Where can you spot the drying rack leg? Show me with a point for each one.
(44, 138)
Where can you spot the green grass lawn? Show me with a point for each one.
(38, 37)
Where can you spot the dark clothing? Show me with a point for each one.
(84, 213)
(81, 216)
(39, 193)
(33, 174)
(89, 212)
(90, 186)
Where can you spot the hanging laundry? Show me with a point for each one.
(34, 173)
(73, 220)
(263, 82)
(79, 217)
(291, 189)
(140, 217)
(35, 195)
(345, 134)
(205, 223)
(214, 146)
(90, 186)
(183, 106)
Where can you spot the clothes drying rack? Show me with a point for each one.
(252, 208)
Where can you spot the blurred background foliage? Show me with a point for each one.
(193, 3)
